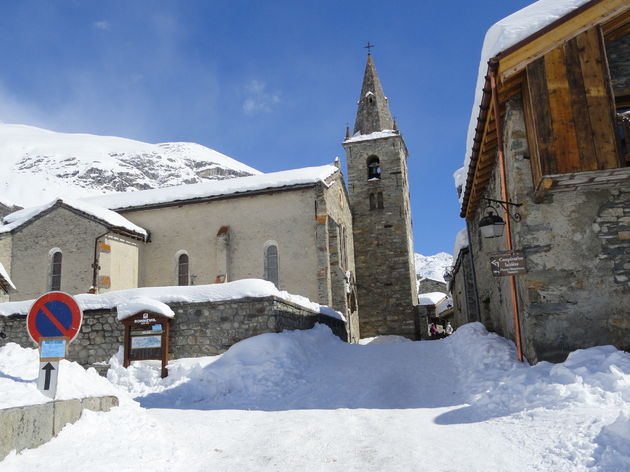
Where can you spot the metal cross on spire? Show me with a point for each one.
(369, 47)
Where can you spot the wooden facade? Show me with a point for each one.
(563, 74)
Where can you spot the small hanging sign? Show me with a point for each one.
(507, 263)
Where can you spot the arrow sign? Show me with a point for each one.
(48, 367)
(47, 379)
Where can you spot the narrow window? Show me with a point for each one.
(271, 264)
(372, 201)
(374, 168)
(344, 248)
(55, 271)
(379, 200)
(182, 269)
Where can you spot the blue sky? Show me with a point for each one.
(270, 83)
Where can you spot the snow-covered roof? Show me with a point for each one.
(108, 217)
(461, 242)
(431, 298)
(502, 35)
(254, 288)
(375, 135)
(5, 280)
(239, 185)
(139, 304)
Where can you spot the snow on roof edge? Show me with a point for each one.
(114, 220)
(244, 288)
(235, 186)
(374, 135)
(504, 34)
(5, 275)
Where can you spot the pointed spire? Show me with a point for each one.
(373, 113)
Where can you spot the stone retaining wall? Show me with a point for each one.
(198, 329)
(30, 426)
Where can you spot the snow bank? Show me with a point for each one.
(250, 183)
(143, 378)
(386, 339)
(18, 379)
(136, 305)
(498, 382)
(254, 288)
(614, 445)
(112, 218)
(502, 35)
(253, 373)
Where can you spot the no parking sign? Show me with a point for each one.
(53, 315)
(52, 322)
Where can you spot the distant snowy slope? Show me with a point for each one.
(433, 267)
(38, 165)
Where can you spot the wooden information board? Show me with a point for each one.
(146, 338)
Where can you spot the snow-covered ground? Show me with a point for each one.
(303, 400)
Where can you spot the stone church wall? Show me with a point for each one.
(287, 218)
(198, 329)
(335, 249)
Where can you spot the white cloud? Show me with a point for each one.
(259, 99)
(102, 25)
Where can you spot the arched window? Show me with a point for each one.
(182, 269)
(374, 168)
(271, 263)
(55, 270)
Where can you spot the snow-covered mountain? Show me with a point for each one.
(38, 165)
(433, 267)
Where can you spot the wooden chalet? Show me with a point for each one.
(550, 158)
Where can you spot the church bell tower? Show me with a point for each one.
(378, 188)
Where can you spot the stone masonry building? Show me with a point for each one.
(551, 144)
(378, 188)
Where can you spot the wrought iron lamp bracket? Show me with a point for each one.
(509, 207)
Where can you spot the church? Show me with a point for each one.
(348, 247)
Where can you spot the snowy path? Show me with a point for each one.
(305, 401)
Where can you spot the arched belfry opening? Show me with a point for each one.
(373, 168)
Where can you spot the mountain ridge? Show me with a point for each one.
(40, 164)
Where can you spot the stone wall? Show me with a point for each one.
(30, 426)
(618, 55)
(463, 290)
(198, 329)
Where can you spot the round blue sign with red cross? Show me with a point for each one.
(52, 315)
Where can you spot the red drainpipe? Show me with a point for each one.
(506, 216)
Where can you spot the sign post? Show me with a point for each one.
(53, 322)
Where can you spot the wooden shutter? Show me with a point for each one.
(570, 109)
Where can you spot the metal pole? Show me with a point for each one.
(506, 214)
